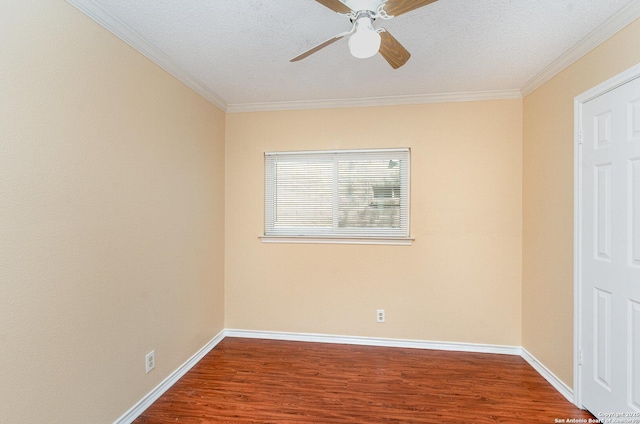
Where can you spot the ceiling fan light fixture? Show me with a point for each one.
(365, 42)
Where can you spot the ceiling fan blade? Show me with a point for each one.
(398, 7)
(335, 5)
(320, 46)
(392, 51)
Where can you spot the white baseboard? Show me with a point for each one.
(375, 341)
(558, 384)
(137, 409)
(152, 396)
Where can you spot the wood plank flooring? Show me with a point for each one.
(266, 381)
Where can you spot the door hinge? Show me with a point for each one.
(580, 137)
(580, 357)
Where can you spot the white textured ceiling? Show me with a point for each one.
(238, 51)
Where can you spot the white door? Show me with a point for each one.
(609, 264)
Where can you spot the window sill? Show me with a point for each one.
(393, 241)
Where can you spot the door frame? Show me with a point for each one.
(579, 101)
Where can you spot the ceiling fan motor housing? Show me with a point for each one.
(370, 5)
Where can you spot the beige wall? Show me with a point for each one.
(111, 212)
(461, 279)
(548, 199)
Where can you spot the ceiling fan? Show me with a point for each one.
(365, 40)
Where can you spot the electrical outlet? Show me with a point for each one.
(380, 315)
(150, 360)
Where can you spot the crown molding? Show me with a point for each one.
(375, 101)
(93, 10)
(621, 19)
(113, 24)
(96, 12)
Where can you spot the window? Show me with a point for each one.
(356, 194)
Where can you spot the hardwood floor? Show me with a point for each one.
(266, 381)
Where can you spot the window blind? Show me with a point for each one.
(355, 193)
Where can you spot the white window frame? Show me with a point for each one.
(338, 235)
